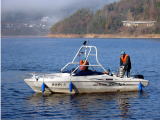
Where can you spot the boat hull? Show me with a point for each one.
(60, 83)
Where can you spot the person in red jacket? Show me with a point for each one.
(83, 62)
(126, 62)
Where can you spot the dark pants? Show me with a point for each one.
(128, 72)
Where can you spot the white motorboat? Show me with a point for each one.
(85, 81)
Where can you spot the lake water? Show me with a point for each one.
(21, 56)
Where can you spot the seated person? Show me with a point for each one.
(83, 70)
(83, 62)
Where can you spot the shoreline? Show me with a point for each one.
(102, 36)
(86, 36)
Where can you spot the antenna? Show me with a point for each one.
(85, 42)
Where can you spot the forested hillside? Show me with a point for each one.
(109, 19)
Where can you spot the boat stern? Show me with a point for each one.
(145, 83)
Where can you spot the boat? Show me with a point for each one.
(85, 78)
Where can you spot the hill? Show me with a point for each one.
(108, 20)
(36, 17)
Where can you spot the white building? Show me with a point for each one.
(138, 23)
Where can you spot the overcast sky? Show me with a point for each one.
(54, 8)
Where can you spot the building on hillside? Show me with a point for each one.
(138, 23)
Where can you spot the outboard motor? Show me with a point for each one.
(138, 76)
(121, 71)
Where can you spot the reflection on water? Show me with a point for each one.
(124, 107)
(84, 106)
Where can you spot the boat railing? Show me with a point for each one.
(86, 54)
(41, 75)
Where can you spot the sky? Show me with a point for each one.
(56, 9)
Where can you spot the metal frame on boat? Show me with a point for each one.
(86, 55)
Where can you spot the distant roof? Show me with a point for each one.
(136, 22)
